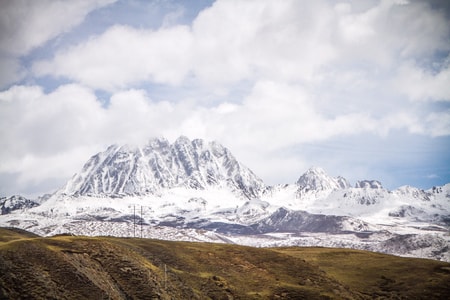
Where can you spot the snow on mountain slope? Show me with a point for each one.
(312, 185)
(419, 205)
(316, 179)
(316, 183)
(431, 245)
(177, 205)
(13, 203)
(126, 170)
(197, 190)
(284, 220)
(318, 193)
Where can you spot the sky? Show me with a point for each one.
(359, 88)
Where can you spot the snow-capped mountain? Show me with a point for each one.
(10, 204)
(197, 190)
(16, 202)
(317, 180)
(314, 184)
(319, 193)
(126, 170)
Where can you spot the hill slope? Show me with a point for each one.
(97, 268)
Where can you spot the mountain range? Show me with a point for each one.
(197, 190)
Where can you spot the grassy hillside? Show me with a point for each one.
(67, 267)
(378, 275)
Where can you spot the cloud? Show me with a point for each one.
(208, 51)
(11, 70)
(123, 56)
(26, 25)
(424, 85)
(45, 124)
(439, 123)
(261, 77)
(234, 40)
(432, 176)
(51, 135)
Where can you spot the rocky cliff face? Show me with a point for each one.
(316, 179)
(127, 170)
(10, 204)
(368, 184)
(190, 185)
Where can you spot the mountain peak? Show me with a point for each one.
(182, 140)
(316, 170)
(15, 202)
(369, 184)
(315, 178)
(127, 170)
(157, 141)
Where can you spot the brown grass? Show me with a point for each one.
(67, 267)
(380, 275)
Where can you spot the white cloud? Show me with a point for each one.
(45, 124)
(10, 70)
(64, 127)
(439, 123)
(50, 135)
(26, 25)
(123, 56)
(424, 85)
(389, 32)
(286, 41)
(35, 170)
(432, 176)
(313, 71)
(29, 24)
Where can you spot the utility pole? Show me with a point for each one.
(141, 221)
(134, 220)
(165, 277)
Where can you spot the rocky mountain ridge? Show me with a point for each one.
(125, 170)
(15, 202)
(196, 185)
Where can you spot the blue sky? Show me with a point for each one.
(360, 88)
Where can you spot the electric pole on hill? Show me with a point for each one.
(165, 277)
(134, 221)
